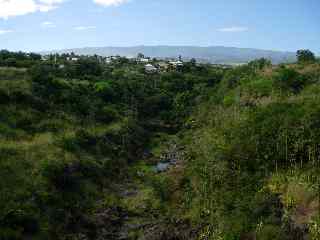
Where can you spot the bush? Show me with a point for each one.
(21, 220)
(162, 187)
(10, 234)
(290, 80)
(260, 64)
(314, 227)
(230, 98)
(259, 88)
(107, 114)
(63, 175)
(270, 232)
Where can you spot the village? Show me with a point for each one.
(150, 65)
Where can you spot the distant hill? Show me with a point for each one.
(217, 54)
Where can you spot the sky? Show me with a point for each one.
(36, 25)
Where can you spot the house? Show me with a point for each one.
(44, 58)
(149, 68)
(74, 59)
(108, 60)
(176, 63)
(163, 66)
(144, 60)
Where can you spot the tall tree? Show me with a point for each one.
(305, 56)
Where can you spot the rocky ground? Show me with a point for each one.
(146, 219)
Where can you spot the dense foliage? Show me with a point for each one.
(74, 133)
(306, 56)
(254, 155)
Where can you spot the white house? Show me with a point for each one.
(44, 58)
(150, 68)
(109, 60)
(74, 59)
(176, 63)
(144, 60)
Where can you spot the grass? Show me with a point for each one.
(299, 196)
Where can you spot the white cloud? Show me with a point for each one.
(82, 28)
(11, 8)
(47, 5)
(48, 24)
(51, 2)
(233, 29)
(5, 31)
(107, 3)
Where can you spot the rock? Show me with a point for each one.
(140, 174)
(161, 231)
(162, 167)
(147, 154)
(129, 193)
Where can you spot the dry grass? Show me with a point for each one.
(298, 196)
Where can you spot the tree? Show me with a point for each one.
(259, 64)
(88, 66)
(140, 55)
(35, 57)
(11, 62)
(289, 79)
(305, 56)
(193, 61)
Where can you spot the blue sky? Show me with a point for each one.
(34, 25)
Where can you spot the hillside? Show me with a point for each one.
(217, 55)
(94, 151)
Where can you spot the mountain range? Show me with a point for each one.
(213, 54)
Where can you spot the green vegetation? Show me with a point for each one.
(80, 142)
(306, 56)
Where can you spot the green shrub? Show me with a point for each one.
(64, 176)
(290, 80)
(21, 220)
(314, 227)
(258, 87)
(162, 187)
(10, 234)
(107, 114)
(270, 232)
(230, 99)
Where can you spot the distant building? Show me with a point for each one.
(44, 58)
(109, 60)
(176, 63)
(149, 68)
(144, 60)
(74, 59)
(163, 66)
